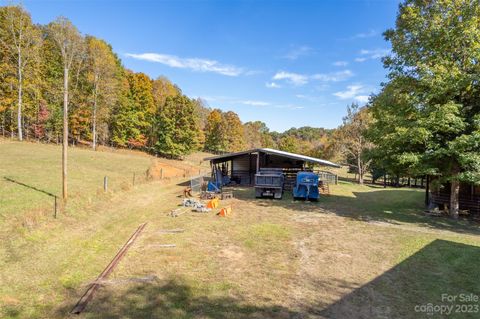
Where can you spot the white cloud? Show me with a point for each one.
(298, 52)
(254, 103)
(195, 64)
(310, 98)
(360, 59)
(340, 63)
(301, 79)
(363, 35)
(354, 92)
(362, 98)
(273, 85)
(230, 101)
(350, 92)
(333, 77)
(375, 53)
(293, 78)
(289, 107)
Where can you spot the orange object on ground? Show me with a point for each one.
(225, 211)
(213, 203)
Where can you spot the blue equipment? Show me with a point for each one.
(214, 187)
(306, 186)
(219, 180)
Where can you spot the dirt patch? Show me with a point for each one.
(232, 253)
(9, 301)
(164, 170)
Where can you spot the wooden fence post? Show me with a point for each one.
(105, 184)
(55, 207)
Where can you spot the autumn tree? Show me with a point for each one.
(7, 91)
(351, 138)
(235, 136)
(257, 134)
(288, 143)
(20, 40)
(71, 46)
(102, 75)
(215, 132)
(162, 88)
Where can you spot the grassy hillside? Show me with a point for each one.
(39, 166)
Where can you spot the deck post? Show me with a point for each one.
(258, 162)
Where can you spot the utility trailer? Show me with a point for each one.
(269, 183)
(306, 186)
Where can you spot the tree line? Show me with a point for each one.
(57, 85)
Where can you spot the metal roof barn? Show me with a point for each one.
(241, 167)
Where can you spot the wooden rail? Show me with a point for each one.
(465, 203)
(88, 294)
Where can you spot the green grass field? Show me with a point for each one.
(39, 166)
(363, 252)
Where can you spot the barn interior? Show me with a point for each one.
(241, 167)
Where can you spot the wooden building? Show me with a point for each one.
(241, 167)
(469, 196)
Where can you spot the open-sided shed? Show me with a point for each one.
(241, 167)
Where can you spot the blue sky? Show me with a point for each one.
(287, 63)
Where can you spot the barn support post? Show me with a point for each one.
(250, 169)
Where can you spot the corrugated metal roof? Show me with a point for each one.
(276, 152)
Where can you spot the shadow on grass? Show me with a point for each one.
(172, 299)
(11, 180)
(375, 204)
(441, 267)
